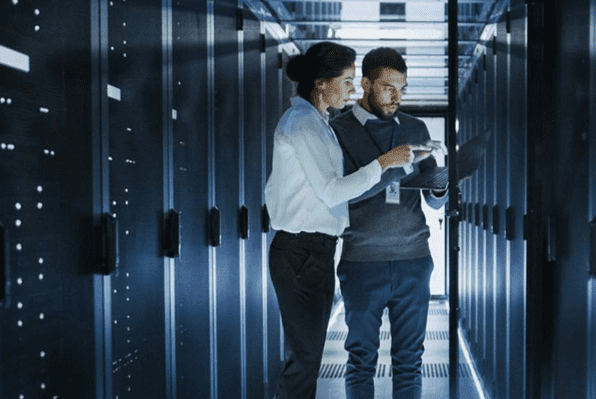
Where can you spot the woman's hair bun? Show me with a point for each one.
(323, 60)
(296, 68)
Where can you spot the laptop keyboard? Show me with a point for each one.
(437, 181)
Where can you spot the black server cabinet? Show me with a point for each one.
(191, 292)
(491, 172)
(517, 205)
(465, 233)
(494, 249)
(137, 330)
(256, 271)
(474, 236)
(476, 267)
(483, 236)
(226, 295)
(502, 167)
(46, 310)
(470, 189)
(570, 207)
(124, 125)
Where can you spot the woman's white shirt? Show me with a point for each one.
(307, 190)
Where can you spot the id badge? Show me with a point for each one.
(392, 193)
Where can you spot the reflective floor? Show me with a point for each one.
(435, 383)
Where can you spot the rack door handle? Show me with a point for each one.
(265, 220)
(243, 223)
(109, 245)
(172, 234)
(215, 227)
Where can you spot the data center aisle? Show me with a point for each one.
(435, 382)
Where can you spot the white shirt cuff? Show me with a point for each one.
(375, 170)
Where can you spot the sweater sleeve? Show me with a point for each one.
(432, 200)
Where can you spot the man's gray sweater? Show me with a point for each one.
(381, 231)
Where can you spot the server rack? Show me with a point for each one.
(126, 126)
(493, 284)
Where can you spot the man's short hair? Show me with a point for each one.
(382, 57)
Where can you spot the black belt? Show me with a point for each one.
(310, 236)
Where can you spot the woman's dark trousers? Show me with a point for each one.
(302, 271)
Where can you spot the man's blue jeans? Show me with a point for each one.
(369, 287)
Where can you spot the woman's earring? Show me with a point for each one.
(320, 84)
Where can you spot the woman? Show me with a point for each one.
(307, 196)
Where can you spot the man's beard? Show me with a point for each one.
(377, 111)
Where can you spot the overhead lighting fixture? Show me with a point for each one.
(397, 34)
(14, 59)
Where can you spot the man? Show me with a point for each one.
(386, 258)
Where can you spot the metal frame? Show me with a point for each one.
(280, 104)
(540, 126)
(453, 205)
(168, 198)
(507, 204)
(591, 308)
(211, 194)
(264, 235)
(241, 202)
(101, 192)
(517, 205)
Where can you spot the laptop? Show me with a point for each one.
(468, 157)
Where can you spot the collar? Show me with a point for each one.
(363, 115)
(298, 101)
